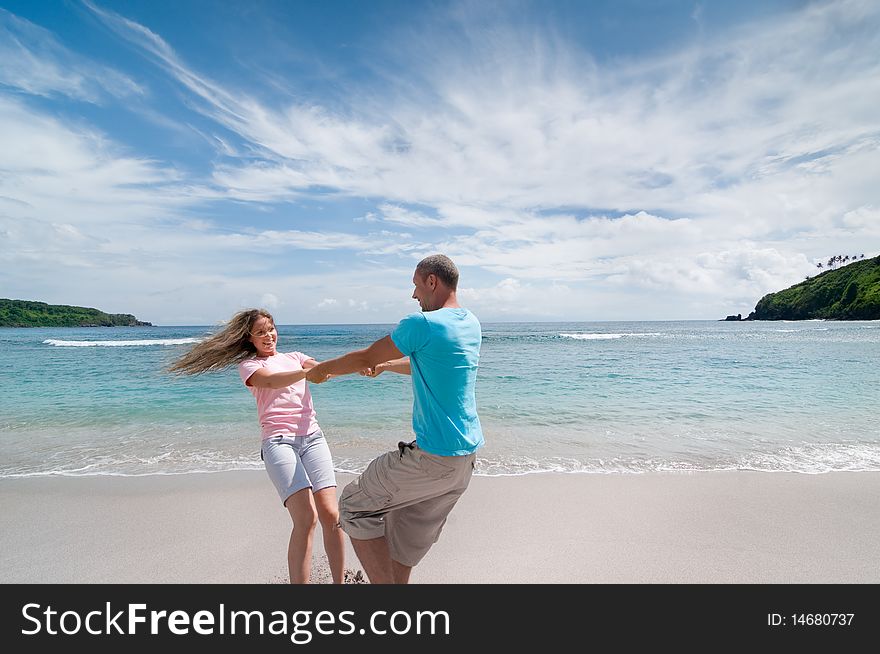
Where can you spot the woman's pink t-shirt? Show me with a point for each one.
(283, 411)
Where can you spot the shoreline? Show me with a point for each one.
(349, 474)
(669, 527)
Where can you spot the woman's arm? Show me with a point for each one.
(262, 378)
(400, 366)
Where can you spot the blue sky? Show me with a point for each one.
(625, 160)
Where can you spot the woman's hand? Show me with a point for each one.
(375, 371)
(316, 374)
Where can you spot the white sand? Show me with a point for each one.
(712, 527)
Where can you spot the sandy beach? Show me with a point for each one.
(707, 527)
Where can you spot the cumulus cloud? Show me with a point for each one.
(864, 220)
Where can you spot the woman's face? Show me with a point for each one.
(263, 336)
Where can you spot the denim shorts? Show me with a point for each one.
(297, 462)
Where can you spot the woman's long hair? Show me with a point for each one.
(229, 346)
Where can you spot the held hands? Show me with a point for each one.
(375, 371)
(316, 375)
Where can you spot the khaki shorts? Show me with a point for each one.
(405, 495)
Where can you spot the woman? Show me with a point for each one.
(293, 450)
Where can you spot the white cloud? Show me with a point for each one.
(32, 60)
(864, 220)
(396, 214)
(293, 239)
(52, 168)
(671, 187)
(358, 305)
(270, 301)
(689, 132)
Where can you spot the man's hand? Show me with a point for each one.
(383, 350)
(375, 371)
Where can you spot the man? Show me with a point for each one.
(394, 511)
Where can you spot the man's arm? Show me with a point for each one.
(379, 352)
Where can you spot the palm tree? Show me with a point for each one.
(839, 259)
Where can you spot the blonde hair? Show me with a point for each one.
(229, 346)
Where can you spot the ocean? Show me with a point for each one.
(586, 397)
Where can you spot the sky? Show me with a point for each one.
(579, 161)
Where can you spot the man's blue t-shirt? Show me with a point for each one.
(443, 347)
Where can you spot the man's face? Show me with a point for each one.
(424, 290)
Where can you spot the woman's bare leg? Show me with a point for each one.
(302, 511)
(334, 540)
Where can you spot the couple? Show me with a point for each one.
(394, 511)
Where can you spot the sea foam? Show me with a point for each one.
(604, 337)
(158, 341)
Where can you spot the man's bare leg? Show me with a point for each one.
(401, 572)
(376, 559)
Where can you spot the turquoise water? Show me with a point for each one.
(575, 397)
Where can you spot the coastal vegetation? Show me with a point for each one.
(848, 292)
(24, 313)
(838, 259)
